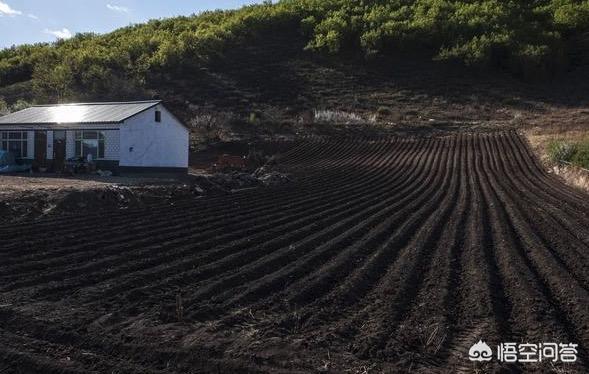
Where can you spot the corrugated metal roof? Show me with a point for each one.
(90, 113)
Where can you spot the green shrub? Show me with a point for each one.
(3, 108)
(383, 111)
(20, 105)
(527, 37)
(560, 150)
(254, 117)
(581, 156)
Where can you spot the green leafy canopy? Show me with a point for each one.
(512, 34)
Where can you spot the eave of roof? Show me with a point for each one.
(62, 123)
(102, 103)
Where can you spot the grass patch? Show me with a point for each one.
(337, 117)
(561, 150)
(575, 152)
(581, 156)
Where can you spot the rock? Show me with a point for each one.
(197, 190)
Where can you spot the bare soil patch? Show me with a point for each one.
(30, 196)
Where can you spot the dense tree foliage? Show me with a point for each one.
(521, 36)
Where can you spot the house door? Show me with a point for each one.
(58, 150)
(40, 148)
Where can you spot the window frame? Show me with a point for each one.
(81, 136)
(8, 136)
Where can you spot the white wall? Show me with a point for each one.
(146, 143)
(112, 147)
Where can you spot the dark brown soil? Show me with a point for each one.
(393, 255)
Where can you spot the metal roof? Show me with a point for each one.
(79, 113)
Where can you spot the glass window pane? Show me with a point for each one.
(15, 148)
(15, 135)
(101, 148)
(60, 135)
(78, 152)
(78, 135)
(90, 135)
(90, 147)
(24, 149)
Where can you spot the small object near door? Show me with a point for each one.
(58, 150)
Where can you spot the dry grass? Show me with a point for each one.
(210, 126)
(339, 116)
(50, 182)
(574, 176)
(540, 139)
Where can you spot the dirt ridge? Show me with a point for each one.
(393, 254)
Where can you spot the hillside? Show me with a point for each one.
(425, 62)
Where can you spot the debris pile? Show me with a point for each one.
(234, 180)
(104, 173)
(275, 178)
(237, 181)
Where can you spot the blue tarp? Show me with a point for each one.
(8, 163)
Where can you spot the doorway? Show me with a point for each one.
(58, 150)
(40, 149)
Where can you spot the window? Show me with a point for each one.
(90, 143)
(14, 142)
(158, 116)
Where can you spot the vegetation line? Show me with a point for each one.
(528, 38)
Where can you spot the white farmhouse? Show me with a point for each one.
(121, 136)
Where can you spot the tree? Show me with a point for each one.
(19, 105)
(4, 110)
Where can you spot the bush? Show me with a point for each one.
(529, 38)
(254, 117)
(337, 117)
(576, 153)
(581, 156)
(560, 150)
(383, 111)
(3, 108)
(20, 105)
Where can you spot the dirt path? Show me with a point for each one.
(394, 254)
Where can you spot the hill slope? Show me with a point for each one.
(393, 61)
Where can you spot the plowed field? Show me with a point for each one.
(394, 254)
